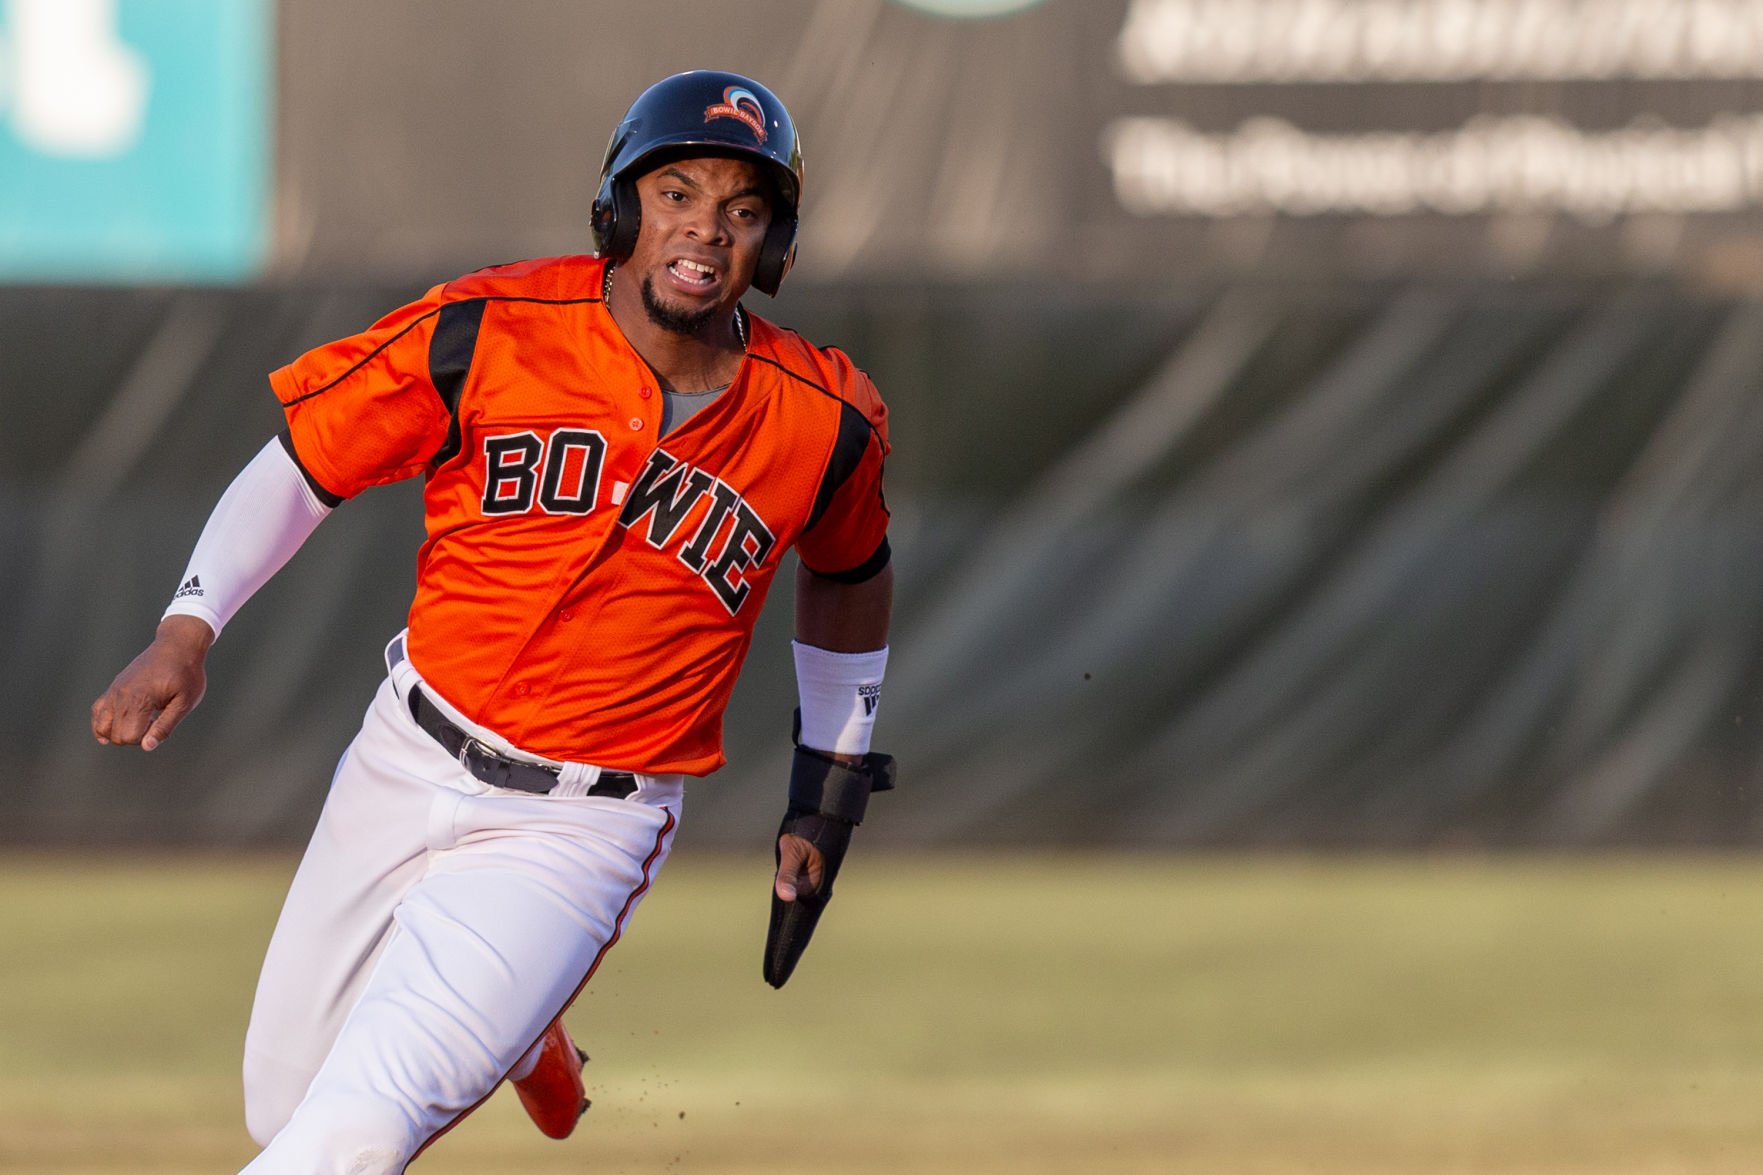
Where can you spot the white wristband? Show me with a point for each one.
(839, 693)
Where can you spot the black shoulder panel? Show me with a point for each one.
(450, 352)
(854, 430)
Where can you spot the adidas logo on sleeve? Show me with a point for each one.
(192, 587)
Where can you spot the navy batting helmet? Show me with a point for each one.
(703, 112)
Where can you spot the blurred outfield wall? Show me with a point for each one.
(1317, 422)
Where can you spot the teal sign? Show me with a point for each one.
(134, 139)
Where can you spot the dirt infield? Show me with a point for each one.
(1005, 1014)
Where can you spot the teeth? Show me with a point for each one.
(695, 267)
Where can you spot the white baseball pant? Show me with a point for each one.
(435, 928)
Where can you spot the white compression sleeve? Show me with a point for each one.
(256, 527)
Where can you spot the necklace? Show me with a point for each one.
(606, 300)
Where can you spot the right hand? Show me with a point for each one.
(158, 688)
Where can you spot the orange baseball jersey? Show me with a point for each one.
(588, 588)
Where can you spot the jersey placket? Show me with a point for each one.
(578, 595)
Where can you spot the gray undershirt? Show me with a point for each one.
(679, 407)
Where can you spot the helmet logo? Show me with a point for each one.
(741, 104)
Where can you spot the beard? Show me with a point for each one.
(670, 318)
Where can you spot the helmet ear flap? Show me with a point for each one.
(617, 218)
(776, 255)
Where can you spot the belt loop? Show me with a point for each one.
(575, 779)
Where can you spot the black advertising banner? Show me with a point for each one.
(1105, 139)
(1467, 135)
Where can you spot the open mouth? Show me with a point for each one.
(692, 274)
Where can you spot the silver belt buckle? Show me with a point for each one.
(465, 750)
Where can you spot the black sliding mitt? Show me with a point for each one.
(827, 800)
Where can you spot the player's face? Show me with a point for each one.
(704, 221)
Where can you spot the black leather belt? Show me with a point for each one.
(499, 770)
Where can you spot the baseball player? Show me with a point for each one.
(616, 456)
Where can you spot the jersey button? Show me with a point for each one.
(566, 614)
(636, 424)
(645, 392)
(522, 689)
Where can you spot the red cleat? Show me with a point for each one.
(552, 1093)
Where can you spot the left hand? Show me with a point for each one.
(828, 796)
(800, 867)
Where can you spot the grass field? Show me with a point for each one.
(993, 1014)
